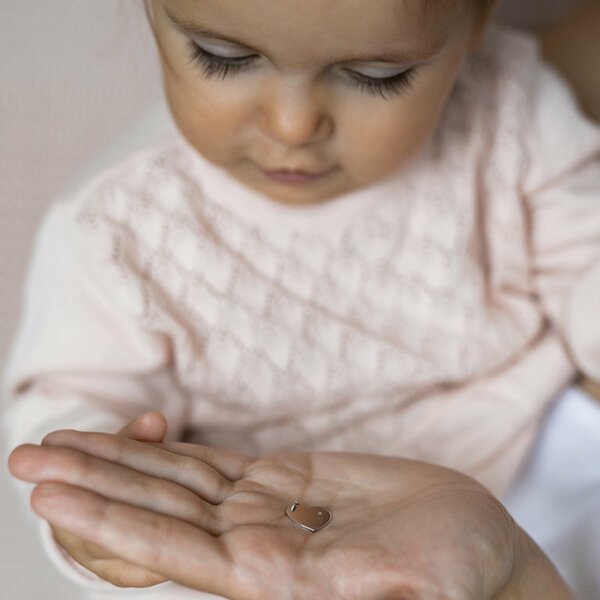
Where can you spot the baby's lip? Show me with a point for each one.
(292, 172)
(294, 176)
(296, 171)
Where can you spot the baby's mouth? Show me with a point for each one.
(294, 176)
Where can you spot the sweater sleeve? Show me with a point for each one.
(562, 191)
(81, 359)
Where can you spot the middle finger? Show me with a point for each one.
(189, 472)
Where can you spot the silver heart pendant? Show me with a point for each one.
(310, 518)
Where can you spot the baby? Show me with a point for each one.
(373, 236)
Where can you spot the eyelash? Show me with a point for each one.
(217, 66)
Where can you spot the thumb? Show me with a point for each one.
(149, 427)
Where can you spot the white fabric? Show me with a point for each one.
(556, 498)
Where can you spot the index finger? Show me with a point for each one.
(226, 463)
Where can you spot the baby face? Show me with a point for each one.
(347, 91)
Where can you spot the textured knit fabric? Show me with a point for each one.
(432, 315)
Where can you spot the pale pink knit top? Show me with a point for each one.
(434, 315)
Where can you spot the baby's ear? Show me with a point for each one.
(149, 427)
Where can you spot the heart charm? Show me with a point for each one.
(309, 518)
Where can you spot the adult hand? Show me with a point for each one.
(151, 427)
(216, 521)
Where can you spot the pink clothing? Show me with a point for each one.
(433, 315)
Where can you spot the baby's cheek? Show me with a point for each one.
(371, 158)
(377, 150)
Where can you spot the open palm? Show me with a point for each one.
(216, 521)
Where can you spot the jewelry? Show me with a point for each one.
(308, 518)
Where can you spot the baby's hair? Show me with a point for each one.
(480, 7)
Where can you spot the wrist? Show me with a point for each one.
(534, 577)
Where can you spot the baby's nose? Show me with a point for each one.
(295, 114)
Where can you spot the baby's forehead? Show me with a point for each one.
(325, 29)
(406, 14)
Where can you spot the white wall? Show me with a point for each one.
(73, 73)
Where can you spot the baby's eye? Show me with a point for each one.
(214, 65)
(386, 87)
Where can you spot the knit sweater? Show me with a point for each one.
(432, 315)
